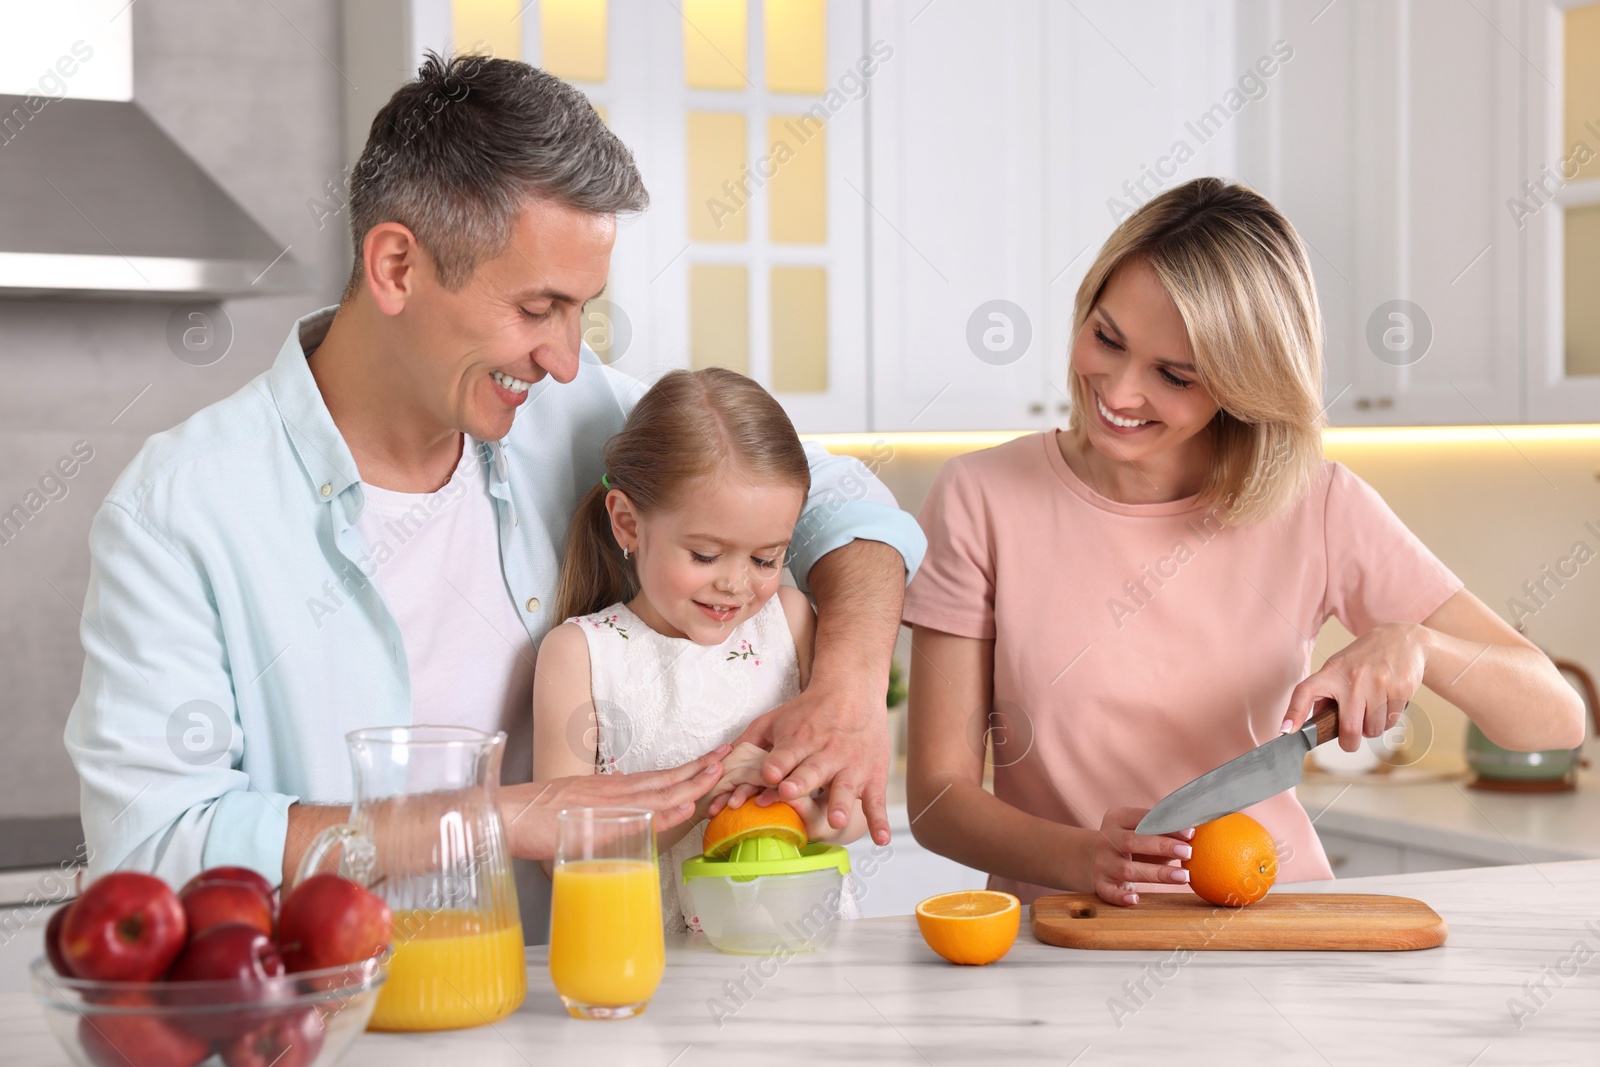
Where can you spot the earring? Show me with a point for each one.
(624, 553)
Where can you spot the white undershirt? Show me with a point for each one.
(437, 559)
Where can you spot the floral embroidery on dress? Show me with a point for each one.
(598, 621)
(660, 702)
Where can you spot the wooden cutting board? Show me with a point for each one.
(1317, 921)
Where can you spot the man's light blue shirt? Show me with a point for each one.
(232, 634)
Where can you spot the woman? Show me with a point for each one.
(1132, 602)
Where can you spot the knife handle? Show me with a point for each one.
(1326, 723)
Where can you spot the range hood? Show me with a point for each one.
(97, 200)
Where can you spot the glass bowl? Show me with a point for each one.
(300, 1020)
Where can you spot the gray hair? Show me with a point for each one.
(455, 155)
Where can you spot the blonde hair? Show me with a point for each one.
(688, 425)
(1240, 277)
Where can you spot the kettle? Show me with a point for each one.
(1549, 771)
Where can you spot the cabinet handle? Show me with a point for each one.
(1335, 861)
(1063, 408)
(1385, 403)
(1363, 403)
(1035, 409)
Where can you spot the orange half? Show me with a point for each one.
(974, 926)
(732, 825)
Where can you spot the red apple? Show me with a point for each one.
(137, 1040)
(52, 941)
(232, 952)
(242, 875)
(291, 1040)
(241, 966)
(126, 927)
(216, 903)
(329, 921)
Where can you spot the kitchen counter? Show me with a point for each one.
(876, 994)
(1440, 815)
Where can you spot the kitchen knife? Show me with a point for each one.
(1264, 771)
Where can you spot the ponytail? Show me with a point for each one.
(594, 574)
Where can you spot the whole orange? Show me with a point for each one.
(732, 825)
(1235, 861)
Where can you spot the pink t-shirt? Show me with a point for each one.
(1138, 646)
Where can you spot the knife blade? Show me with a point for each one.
(1264, 771)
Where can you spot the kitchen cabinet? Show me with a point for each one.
(1352, 856)
(1422, 151)
(956, 197)
(1006, 142)
(1392, 144)
(1557, 205)
(1441, 824)
(968, 180)
(1399, 138)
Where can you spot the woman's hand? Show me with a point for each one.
(1122, 857)
(1371, 679)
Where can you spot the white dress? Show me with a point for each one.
(663, 701)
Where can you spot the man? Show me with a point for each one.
(367, 533)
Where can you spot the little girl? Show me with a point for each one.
(678, 633)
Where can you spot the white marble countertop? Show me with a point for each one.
(1441, 814)
(877, 994)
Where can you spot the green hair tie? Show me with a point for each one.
(605, 480)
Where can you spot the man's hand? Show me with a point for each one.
(825, 737)
(836, 733)
(529, 811)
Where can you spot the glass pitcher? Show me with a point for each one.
(425, 835)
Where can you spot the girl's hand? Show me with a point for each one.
(1371, 679)
(741, 781)
(741, 767)
(1122, 857)
(813, 811)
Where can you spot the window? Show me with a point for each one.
(757, 141)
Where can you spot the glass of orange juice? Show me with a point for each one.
(606, 948)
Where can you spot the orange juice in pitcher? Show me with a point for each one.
(425, 835)
(451, 969)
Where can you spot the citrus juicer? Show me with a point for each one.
(767, 895)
